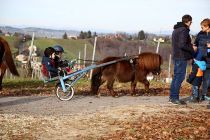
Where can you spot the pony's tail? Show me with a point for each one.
(8, 57)
(96, 80)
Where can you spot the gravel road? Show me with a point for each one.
(51, 105)
(83, 117)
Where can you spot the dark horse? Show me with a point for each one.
(125, 71)
(6, 60)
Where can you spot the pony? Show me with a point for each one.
(6, 60)
(134, 70)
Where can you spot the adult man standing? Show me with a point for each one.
(183, 51)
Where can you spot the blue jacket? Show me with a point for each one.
(181, 42)
(207, 57)
(60, 63)
(201, 41)
(196, 76)
(48, 67)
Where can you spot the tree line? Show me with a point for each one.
(86, 35)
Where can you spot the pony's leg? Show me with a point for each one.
(133, 88)
(98, 94)
(146, 84)
(110, 84)
(3, 69)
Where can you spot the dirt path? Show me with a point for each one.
(83, 117)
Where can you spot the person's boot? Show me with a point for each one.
(194, 99)
(202, 98)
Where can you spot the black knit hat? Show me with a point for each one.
(49, 51)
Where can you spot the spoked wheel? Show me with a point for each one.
(65, 96)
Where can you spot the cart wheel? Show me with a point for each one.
(65, 96)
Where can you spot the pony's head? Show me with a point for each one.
(150, 62)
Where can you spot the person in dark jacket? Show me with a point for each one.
(203, 42)
(65, 65)
(58, 57)
(196, 76)
(183, 51)
(48, 64)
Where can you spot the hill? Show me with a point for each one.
(39, 32)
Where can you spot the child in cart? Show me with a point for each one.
(48, 64)
(63, 64)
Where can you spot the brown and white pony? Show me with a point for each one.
(6, 60)
(124, 71)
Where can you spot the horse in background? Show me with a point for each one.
(124, 71)
(6, 60)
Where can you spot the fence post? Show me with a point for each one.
(139, 49)
(85, 53)
(79, 64)
(93, 57)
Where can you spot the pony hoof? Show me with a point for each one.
(134, 95)
(98, 96)
(116, 96)
(146, 91)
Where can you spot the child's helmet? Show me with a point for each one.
(58, 48)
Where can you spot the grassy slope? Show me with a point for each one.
(71, 47)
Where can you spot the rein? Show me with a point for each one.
(121, 58)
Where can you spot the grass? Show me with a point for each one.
(33, 83)
(21, 82)
(71, 47)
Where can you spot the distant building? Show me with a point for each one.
(72, 37)
(7, 34)
(114, 36)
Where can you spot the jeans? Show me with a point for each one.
(179, 76)
(205, 85)
(195, 91)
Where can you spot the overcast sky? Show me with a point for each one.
(103, 15)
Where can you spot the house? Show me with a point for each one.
(72, 37)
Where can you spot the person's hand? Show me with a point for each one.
(59, 69)
(195, 48)
(208, 44)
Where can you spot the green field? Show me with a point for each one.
(71, 47)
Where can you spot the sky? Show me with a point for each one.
(103, 15)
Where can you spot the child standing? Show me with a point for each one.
(196, 76)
